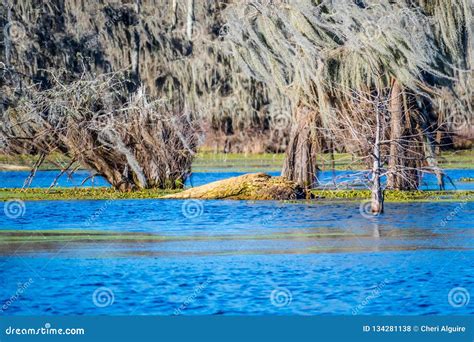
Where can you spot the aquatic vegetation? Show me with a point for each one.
(228, 191)
(10, 237)
(46, 236)
(396, 195)
(100, 193)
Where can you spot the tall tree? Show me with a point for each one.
(323, 53)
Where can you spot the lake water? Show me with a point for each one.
(237, 257)
(15, 179)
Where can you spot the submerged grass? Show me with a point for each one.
(90, 236)
(143, 244)
(9, 236)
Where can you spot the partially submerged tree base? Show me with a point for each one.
(256, 186)
(300, 159)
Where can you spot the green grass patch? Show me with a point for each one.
(463, 159)
(396, 196)
(35, 194)
(54, 161)
(99, 193)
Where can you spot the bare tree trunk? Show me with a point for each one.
(377, 202)
(430, 143)
(174, 12)
(393, 181)
(190, 19)
(433, 162)
(439, 137)
(6, 38)
(136, 42)
(403, 174)
(300, 160)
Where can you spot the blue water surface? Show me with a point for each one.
(406, 262)
(43, 179)
(238, 257)
(386, 283)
